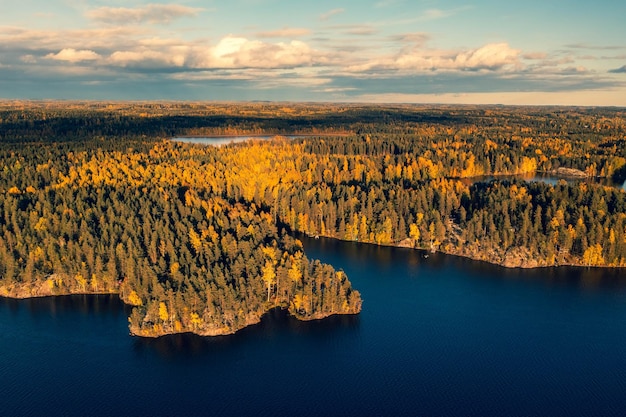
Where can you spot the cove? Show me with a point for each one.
(438, 335)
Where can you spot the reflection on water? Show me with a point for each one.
(107, 304)
(438, 335)
(274, 325)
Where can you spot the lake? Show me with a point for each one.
(438, 336)
(225, 140)
(547, 178)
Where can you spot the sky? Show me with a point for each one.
(565, 52)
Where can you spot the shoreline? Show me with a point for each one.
(23, 293)
(474, 257)
(15, 293)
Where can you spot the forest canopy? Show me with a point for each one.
(95, 197)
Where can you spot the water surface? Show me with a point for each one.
(438, 336)
(226, 140)
(547, 178)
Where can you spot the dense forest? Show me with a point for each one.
(95, 197)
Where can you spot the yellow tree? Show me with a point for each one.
(163, 313)
(195, 320)
(269, 269)
(414, 233)
(269, 276)
(82, 282)
(295, 271)
(593, 255)
(134, 299)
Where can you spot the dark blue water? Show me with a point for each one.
(438, 336)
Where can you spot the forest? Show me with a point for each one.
(96, 198)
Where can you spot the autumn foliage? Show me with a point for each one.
(201, 238)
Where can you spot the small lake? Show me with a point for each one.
(438, 336)
(226, 140)
(547, 179)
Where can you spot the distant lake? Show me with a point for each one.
(225, 140)
(438, 336)
(548, 179)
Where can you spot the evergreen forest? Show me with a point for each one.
(97, 198)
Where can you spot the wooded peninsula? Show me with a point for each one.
(95, 197)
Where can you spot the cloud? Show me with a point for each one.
(352, 29)
(231, 52)
(151, 13)
(535, 55)
(148, 58)
(28, 59)
(239, 52)
(72, 55)
(331, 13)
(472, 82)
(594, 47)
(362, 30)
(416, 38)
(285, 62)
(50, 40)
(491, 57)
(285, 33)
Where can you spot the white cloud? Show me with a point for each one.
(230, 52)
(331, 13)
(152, 13)
(238, 52)
(29, 39)
(489, 57)
(72, 55)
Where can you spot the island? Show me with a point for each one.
(96, 198)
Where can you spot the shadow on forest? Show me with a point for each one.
(620, 174)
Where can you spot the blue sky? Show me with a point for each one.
(434, 51)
